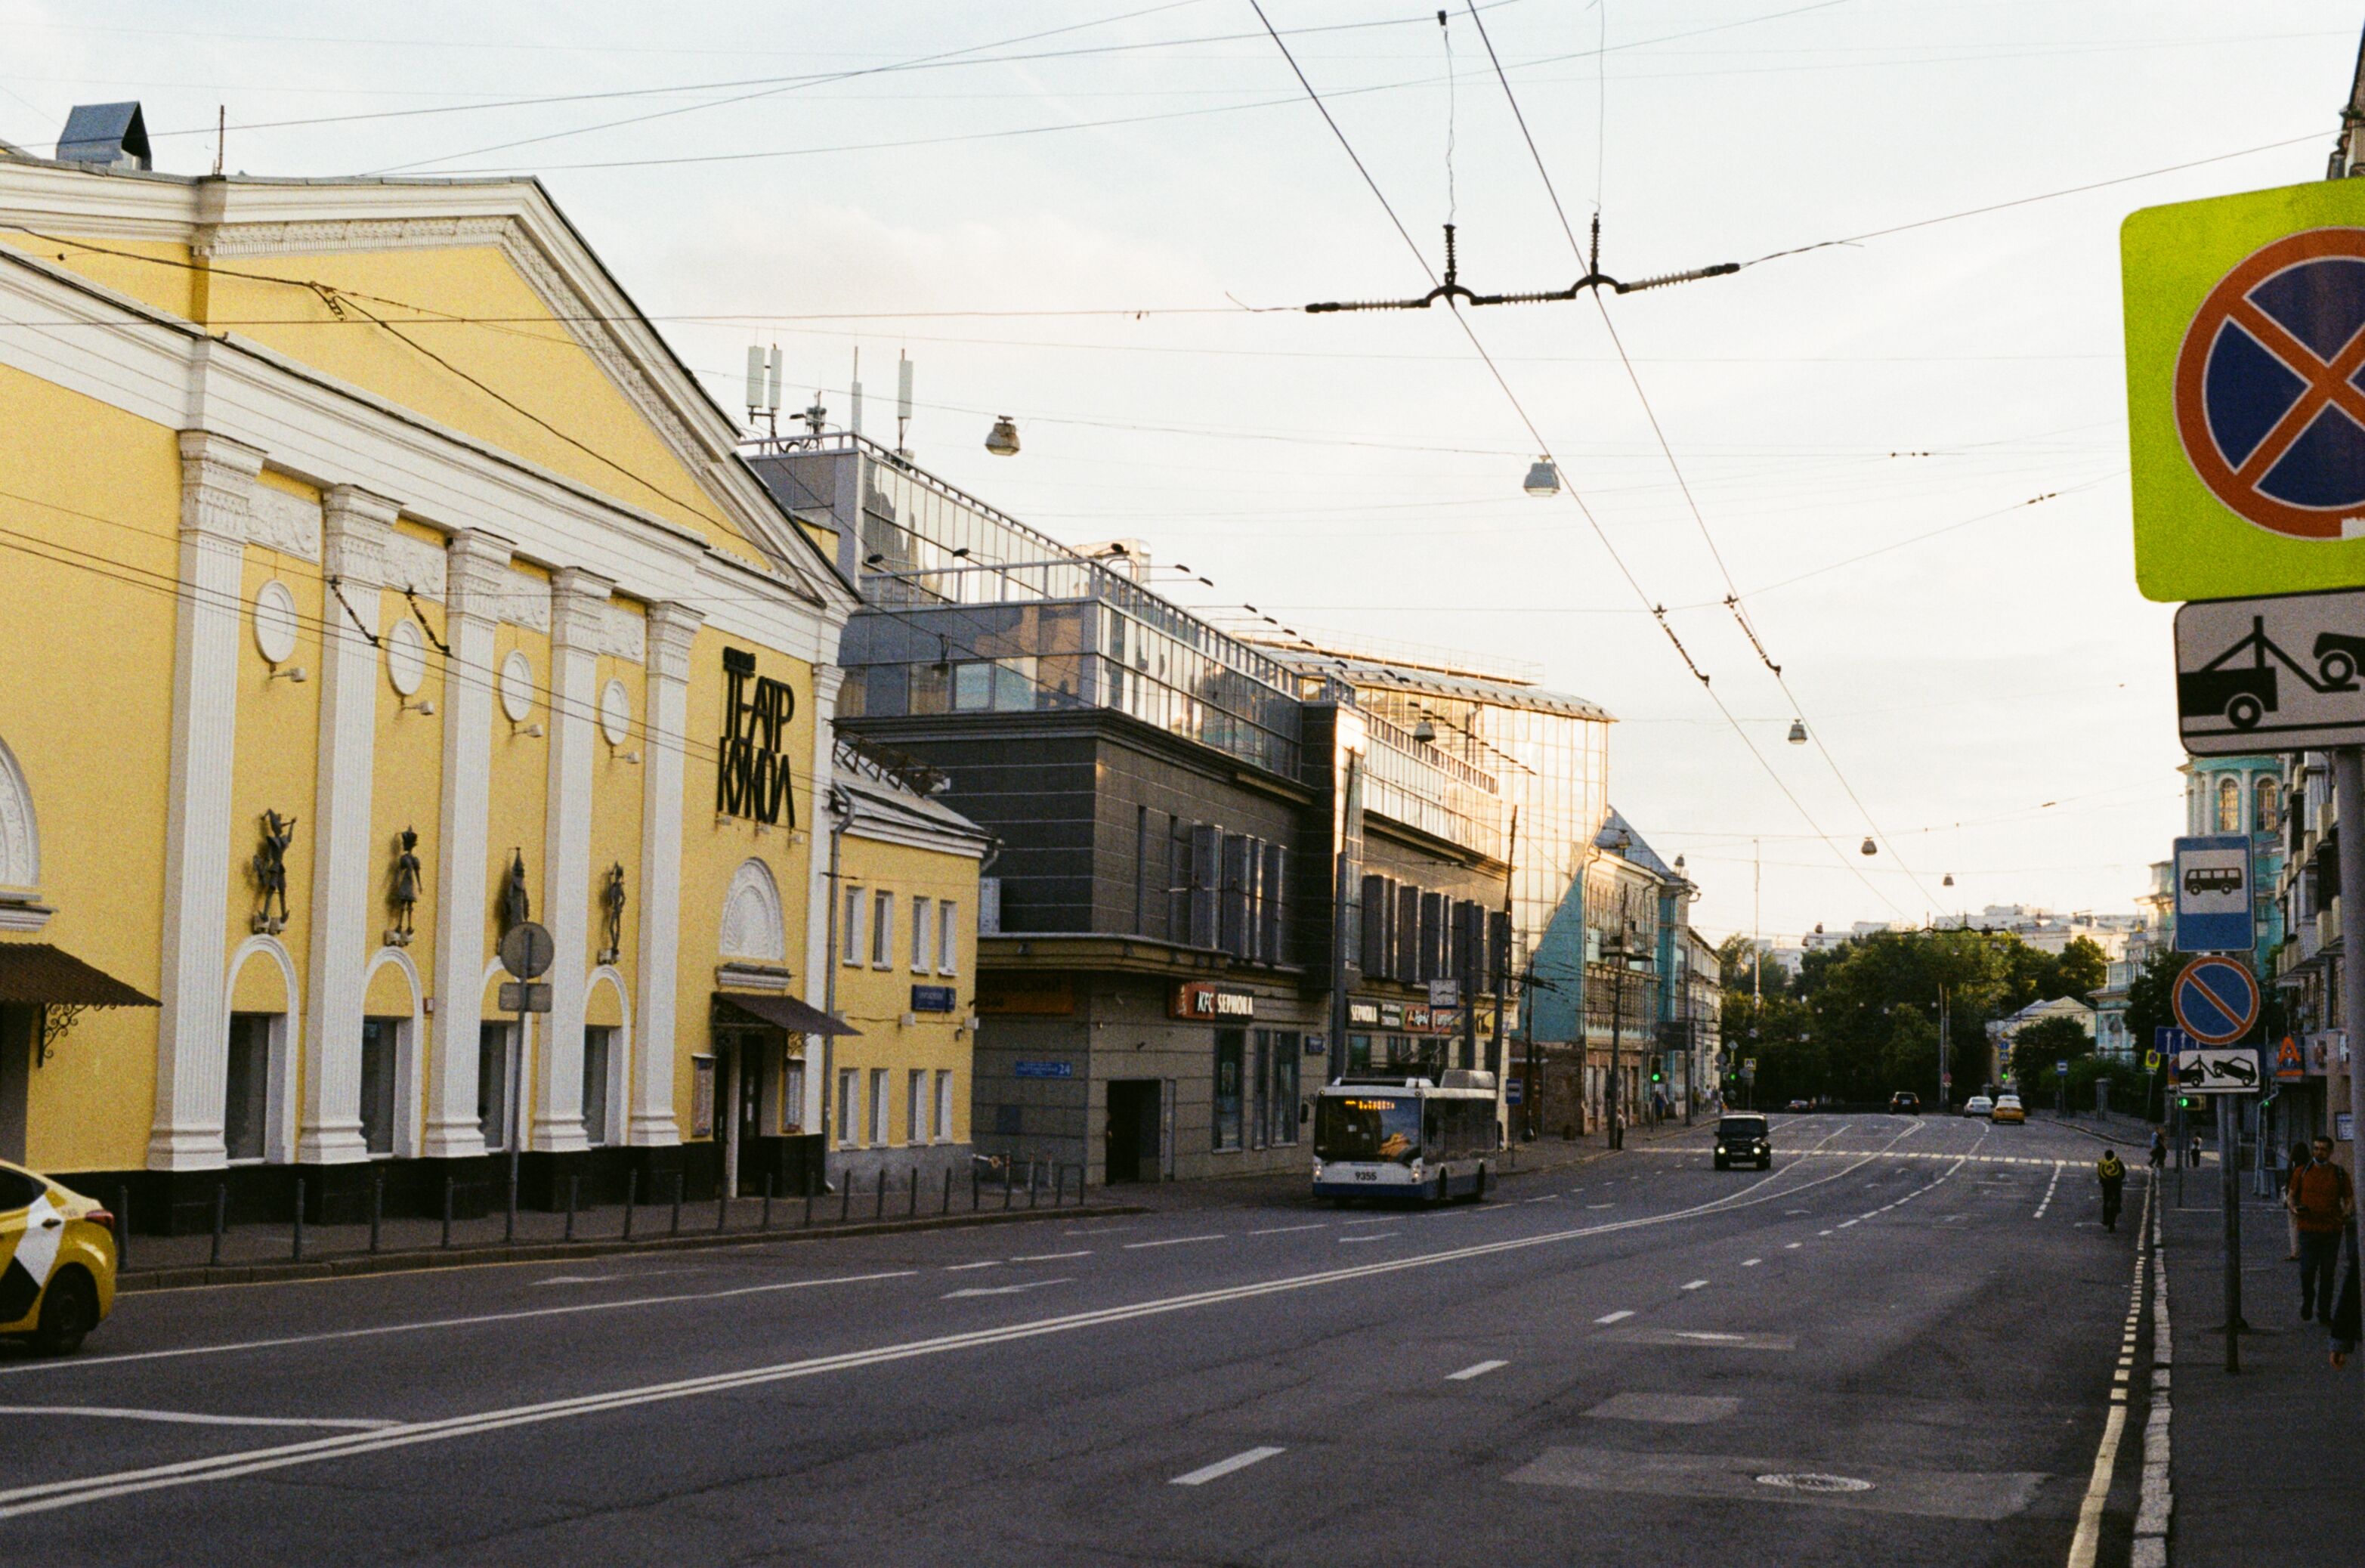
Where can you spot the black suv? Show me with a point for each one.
(1905, 1103)
(1744, 1139)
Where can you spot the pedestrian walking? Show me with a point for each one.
(2299, 1157)
(2159, 1148)
(2111, 1171)
(2192, 1154)
(2322, 1202)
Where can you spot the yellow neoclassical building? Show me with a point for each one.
(371, 578)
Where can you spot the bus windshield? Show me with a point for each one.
(1367, 1126)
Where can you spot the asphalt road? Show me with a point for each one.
(1911, 1325)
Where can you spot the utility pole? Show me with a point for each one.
(1350, 827)
(1946, 1056)
(1495, 1063)
(2349, 761)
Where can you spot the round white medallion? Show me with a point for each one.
(517, 686)
(615, 712)
(406, 657)
(275, 622)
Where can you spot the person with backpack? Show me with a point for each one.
(2322, 1201)
(2111, 1171)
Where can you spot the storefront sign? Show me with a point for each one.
(1201, 1000)
(935, 998)
(1044, 1069)
(1392, 1016)
(1035, 995)
(1316, 1045)
(752, 778)
(1365, 1013)
(1415, 1016)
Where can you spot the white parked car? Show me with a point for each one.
(1978, 1105)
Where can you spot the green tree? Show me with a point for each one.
(2040, 1045)
(2083, 968)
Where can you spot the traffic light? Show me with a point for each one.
(2187, 1101)
(1657, 1076)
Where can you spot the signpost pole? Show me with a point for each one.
(2349, 796)
(2228, 1141)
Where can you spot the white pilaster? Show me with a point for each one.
(344, 866)
(578, 608)
(218, 476)
(817, 822)
(477, 574)
(672, 629)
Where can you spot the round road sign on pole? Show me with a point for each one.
(2216, 1000)
(527, 950)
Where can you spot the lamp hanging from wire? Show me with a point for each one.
(1003, 439)
(1869, 847)
(1543, 479)
(1949, 880)
(1797, 732)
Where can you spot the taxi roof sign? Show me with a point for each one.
(2245, 319)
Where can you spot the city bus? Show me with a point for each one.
(1383, 1136)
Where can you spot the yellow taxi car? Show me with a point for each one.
(57, 1262)
(2008, 1109)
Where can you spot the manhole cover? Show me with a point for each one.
(1809, 1481)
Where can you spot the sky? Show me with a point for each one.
(1904, 455)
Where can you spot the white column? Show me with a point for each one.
(816, 822)
(476, 574)
(578, 604)
(344, 863)
(672, 629)
(218, 475)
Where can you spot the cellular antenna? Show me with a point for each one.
(903, 401)
(764, 387)
(854, 412)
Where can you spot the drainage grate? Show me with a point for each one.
(1811, 1481)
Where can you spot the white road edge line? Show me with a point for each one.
(1224, 1467)
(45, 1496)
(1480, 1369)
(2086, 1541)
(190, 1418)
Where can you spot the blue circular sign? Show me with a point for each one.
(2216, 1000)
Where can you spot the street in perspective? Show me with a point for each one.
(623, 940)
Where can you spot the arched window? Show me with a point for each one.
(752, 923)
(20, 851)
(2266, 814)
(2229, 804)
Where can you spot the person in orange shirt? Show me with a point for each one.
(2322, 1200)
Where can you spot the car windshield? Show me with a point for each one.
(1368, 1127)
(1741, 1126)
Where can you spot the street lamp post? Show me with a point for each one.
(1623, 961)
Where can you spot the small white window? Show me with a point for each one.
(850, 935)
(915, 1107)
(883, 930)
(943, 1105)
(949, 938)
(849, 1085)
(922, 931)
(879, 1107)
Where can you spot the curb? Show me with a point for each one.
(353, 1265)
(2159, 1498)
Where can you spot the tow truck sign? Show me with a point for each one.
(2270, 675)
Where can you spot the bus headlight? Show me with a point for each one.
(1415, 1168)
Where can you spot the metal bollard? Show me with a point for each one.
(632, 1199)
(221, 1218)
(574, 1191)
(809, 1198)
(948, 1189)
(377, 1206)
(915, 1193)
(972, 1186)
(1033, 1184)
(122, 1224)
(721, 1206)
(677, 1202)
(844, 1196)
(1005, 1184)
(879, 1205)
(447, 1211)
(295, 1231)
(765, 1223)
(510, 1233)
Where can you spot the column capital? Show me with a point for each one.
(827, 679)
(217, 474)
(353, 527)
(578, 608)
(672, 627)
(476, 574)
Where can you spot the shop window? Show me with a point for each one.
(849, 935)
(246, 1098)
(883, 930)
(943, 1105)
(972, 688)
(1359, 1053)
(599, 1053)
(1286, 1045)
(1261, 1075)
(493, 1084)
(381, 1040)
(923, 933)
(879, 1107)
(948, 939)
(792, 1114)
(1229, 1044)
(849, 1086)
(915, 1106)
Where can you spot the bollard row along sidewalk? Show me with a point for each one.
(252, 1253)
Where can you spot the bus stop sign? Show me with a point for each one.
(2213, 894)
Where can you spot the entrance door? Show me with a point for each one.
(18, 1027)
(747, 1077)
(1133, 1106)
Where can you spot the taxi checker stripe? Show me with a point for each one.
(2327, 382)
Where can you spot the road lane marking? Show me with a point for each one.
(1173, 1241)
(522, 1315)
(1224, 1467)
(964, 1268)
(189, 1417)
(2046, 1202)
(1615, 1316)
(1050, 1256)
(1793, 1246)
(1601, 1206)
(1480, 1369)
(46, 1497)
(1847, 1224)
(1751, 1263)
(1286, 1229)
(1374, 1219)
(2087, 1542)
(1697, 1284)
(1018, 1289)
(1370, 1236)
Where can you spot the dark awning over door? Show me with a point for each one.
(782, 1012)
(35, 974)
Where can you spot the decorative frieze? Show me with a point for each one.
(287, 524)
(415, 566)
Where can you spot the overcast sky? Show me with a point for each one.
(1858, 425)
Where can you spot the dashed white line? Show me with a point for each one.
(1368, 1236)
(965, 1268)
(1751, 1263)
(2046, 1202)
(1695, 1284)
(1286, 1229)
(1793, 1246)
(1174, 1241)
(1847, 1224)
(198, 1419)
(1615, 1316)
(1050, 1256)
(1480, 1369)
(1224, 1467)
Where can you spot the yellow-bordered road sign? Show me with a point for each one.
(2246, 391)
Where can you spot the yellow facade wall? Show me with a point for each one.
(89, 531)
(876, 1000)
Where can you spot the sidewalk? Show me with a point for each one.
(252, 1252)
(2266, 1465)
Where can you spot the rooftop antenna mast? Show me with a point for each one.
(764, 387)
(902, 402)
(854, 414)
